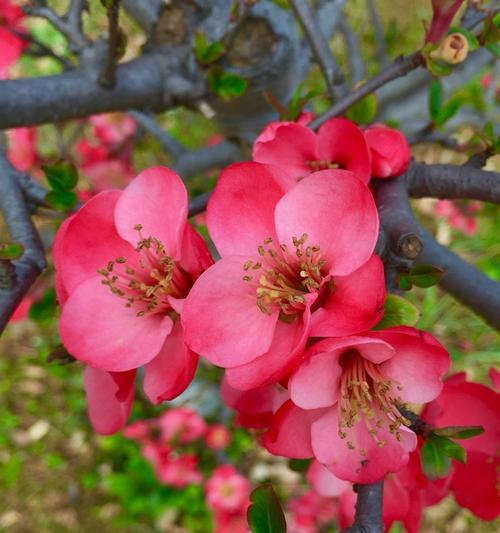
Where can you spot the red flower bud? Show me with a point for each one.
(389, 149)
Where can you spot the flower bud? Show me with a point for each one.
(452, 49)
(389, 150)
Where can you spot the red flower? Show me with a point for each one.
(297, 150)
(462, 403)
(181, 425)
(217, 437)
(296, 262)
(11, 45)
(345, 396)
(389, 149)
(22, 148)
(125, 262)
(226, 490)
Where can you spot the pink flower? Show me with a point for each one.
(310, 512)
(269, 132)
(462, 403)
(124, 265)
(254, 407)
(140, 430)
(113, 129)
(460, 216)
(11, 45)
(227, 490)
(389, 149)
(297, 150)
(22, 148)
(297, 261)
(181, 425)
(217, 437)
(443, 12)
(22, 310)
(231, 522)
(345, 396)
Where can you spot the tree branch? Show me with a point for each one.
(353, 52)
(107, 77)
(399, 68)
(378, 32)
(451, 181)
(319, 46)
(21, 230)
(368, 518)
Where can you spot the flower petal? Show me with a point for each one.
(287, 346)
(157, 200)
(290, 433)
(324, 482)
(341, 141)
(356, 304)
(337, 212)
(290, 147)
(98, 329)
(108, 404)
(221, 318)
(240, 213)
(195, 257)
(172, 370)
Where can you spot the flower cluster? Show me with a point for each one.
(11, 41)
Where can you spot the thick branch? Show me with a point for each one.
(451, 181)
(467, 284)
(21, 230)
(147, 83)
(399, 68)
(368, 509)
(318, 44)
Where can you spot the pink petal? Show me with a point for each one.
(108, 405)
(289, 149)
(195, 257)
(240, 213)
(336, 212)
(157, 200)
(290, 433)
(356, 304)
(324, 482)
(172, 370)
(417, 366)
(341, 141)
(57, 256)
(221, 318)
(349, 464)
(89, 240)
(98, 329)
(286, 348)
(11, 49)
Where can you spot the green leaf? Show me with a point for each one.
(422, 276)
(44, 309)
(435, 98)
(459, 432)
(473, 42)
(61, 177)
(224, 84)
(398, 311)
(448, 110)
(364, 111)
(299, 465)
(61, 200)
(435, 463)
(265, 514)
(206, 52)
(437, 68)
(11, 250)
(494, 48)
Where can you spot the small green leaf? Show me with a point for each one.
(404, 283)
(452, 449)
(61, 177)
(494, 48)
(459, 432)
(425, 275)
(364, 111)
(44, 309)
(435, 463)
(398, 312)
(61, 200)
(299, 465)
(472, 41)
(224, 84)
(435, 98)
(107, 3)
(438, 68)
(265, 514)
(448, 110)
(206, 52)
(11, 250)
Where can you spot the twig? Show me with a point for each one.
(399, 68)
(368, 518)
(319, 46)
(198, 204)
(107, 77)
(452, 181)
(378, 32)
(353, 51)
(417, 425)
(167, 142)
(21, 230)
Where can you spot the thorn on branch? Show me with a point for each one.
(107, 77)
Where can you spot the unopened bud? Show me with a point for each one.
(452, 49)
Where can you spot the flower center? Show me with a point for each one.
(321, 164)
(148, 286)
(282, 278)
(366, 394)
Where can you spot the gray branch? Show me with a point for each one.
(368, 518)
